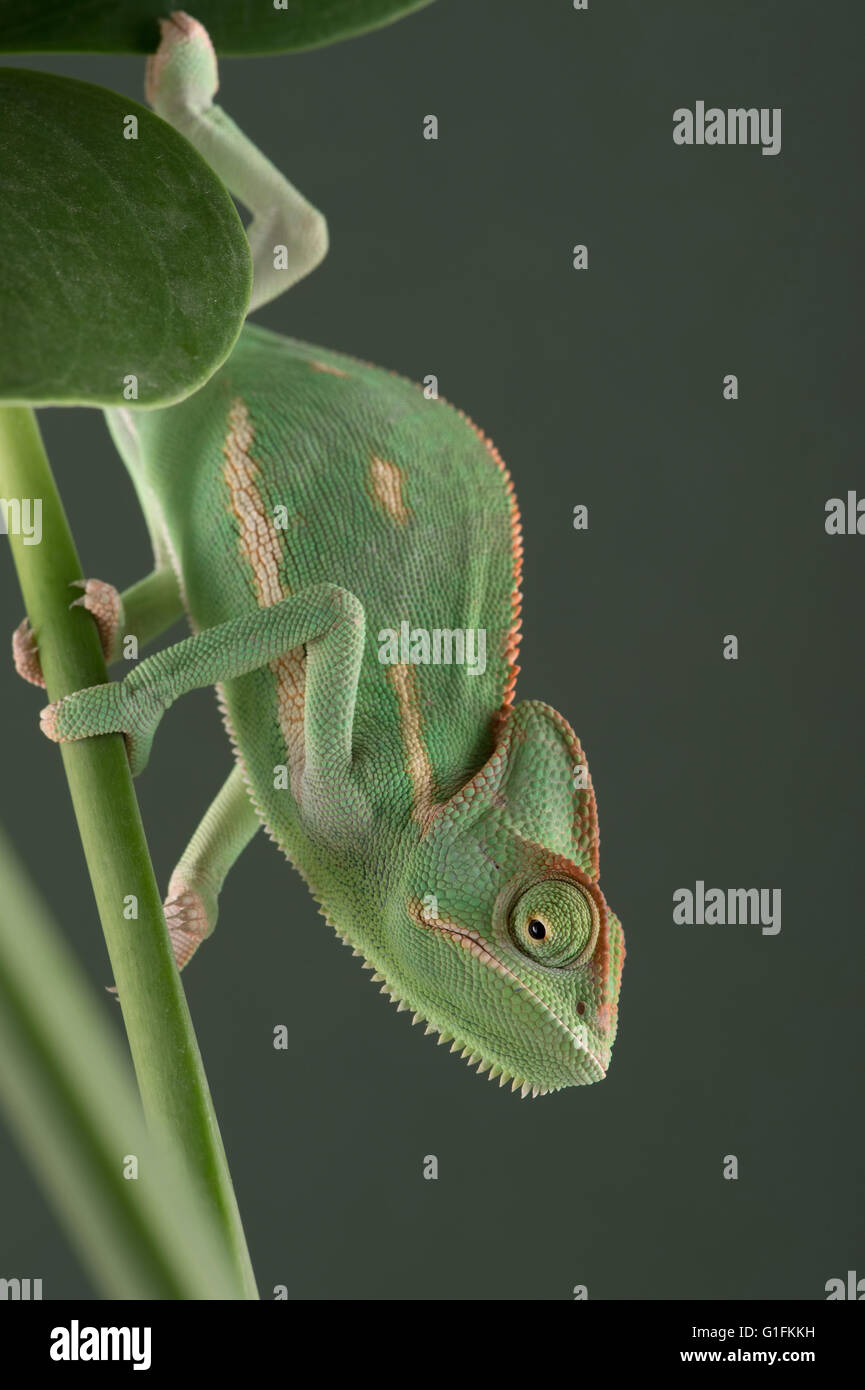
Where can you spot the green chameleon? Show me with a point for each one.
(348, 553)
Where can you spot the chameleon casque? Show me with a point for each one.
(304, 505)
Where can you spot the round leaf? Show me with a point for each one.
(124, 267)
(130, 26)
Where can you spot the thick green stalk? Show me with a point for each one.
(168, 1066)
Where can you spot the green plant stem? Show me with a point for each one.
(70, 1098)
(168, 1066)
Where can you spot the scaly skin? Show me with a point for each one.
(307, 503)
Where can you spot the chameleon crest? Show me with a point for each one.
(348, 554)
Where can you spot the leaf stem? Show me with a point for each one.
(168, 1066)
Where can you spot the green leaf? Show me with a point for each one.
(130, 26)
(70, 1100)
(120, 258)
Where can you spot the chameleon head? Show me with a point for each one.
(501, 937)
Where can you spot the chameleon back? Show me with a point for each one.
(295, 466)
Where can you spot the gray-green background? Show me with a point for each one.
(706, 518)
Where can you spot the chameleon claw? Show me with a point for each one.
(103, 602)
(25, 654)
(48, 722)
(104, 709)
(182, 74)
(186, 919)
(99, 599)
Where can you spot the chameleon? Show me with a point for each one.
(348, 554)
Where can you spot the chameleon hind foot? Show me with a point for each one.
(186, 917)
(181, 76)
(192, 904)
(180, 84)
(190, 916)
(100, 599)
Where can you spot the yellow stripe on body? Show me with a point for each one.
(262, 548)
(404, 682)
(385, 488)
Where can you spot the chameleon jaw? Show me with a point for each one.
(469, 939)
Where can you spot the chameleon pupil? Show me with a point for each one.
(537, 929)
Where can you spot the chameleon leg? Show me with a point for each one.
(328, 619)
(287, 235)
(191, 905)
(145, 610)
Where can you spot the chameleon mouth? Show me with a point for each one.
(470, 940)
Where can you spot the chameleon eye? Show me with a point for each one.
(555, 923)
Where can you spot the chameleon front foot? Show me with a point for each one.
(105, 604)
(115, 708)
(98, 598)
(25, 654)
